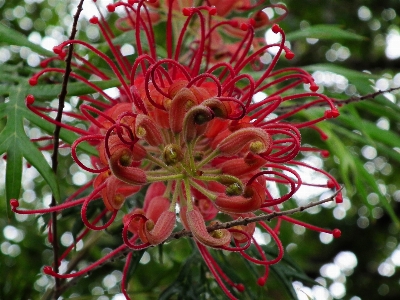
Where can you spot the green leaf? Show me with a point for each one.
(374, 133)
(383, 108)
(16, 145)
(10, 36)
(351, 167)
(183, 285)
(351, 75)
(51, 91)
(324, 32)
(369, 180)
(389, 152)
(287, 271)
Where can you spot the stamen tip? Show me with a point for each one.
(244, 26)
(325, 153)
(14, 203)
(289, 54)
(57, 50)
(234, 23)
(94, 20)
(275, 28)
(261, 281)
(330, 184)
(32, 81)
(330, 114)
(187, 11)
(48, 270)
(336, 233)
(212, 10)
(339, 198)
(111, 7)
(240, 287)
(30, 99)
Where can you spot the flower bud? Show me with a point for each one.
(180, 104)
(251, 200)
(218, 107)
(255, 139)
(196, 224)
(147, 129)
(158, 232)
(120, 167)
(195, 119)
(156, 207)
(241, 166)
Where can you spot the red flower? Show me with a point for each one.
(188, 127)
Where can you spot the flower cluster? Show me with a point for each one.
(186, 129)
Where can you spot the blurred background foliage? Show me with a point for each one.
(365, 156)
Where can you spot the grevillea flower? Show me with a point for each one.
(187, 130)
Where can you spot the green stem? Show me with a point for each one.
(188, 194)
(175, 196)
(208, 158)
(191, 159)
(203, 190)
(165, 178)
(168, 190)
(159, 162)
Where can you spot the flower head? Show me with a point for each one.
(186, 127)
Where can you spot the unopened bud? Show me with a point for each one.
(218, 107)
(256, 139)
(146, 128)
(195, 120)
(183, 100)
(126, 158)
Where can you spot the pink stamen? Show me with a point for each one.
(37, 111)
(84, 211)
(75, 156)
(34, 80)
(339, 198)
(49, 271)
(58, 48)
(335, 232)
(15, 204)
(85, 108)
(80, 237)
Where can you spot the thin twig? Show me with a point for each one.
(56, 134)
(352, 99)
(367, 97)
